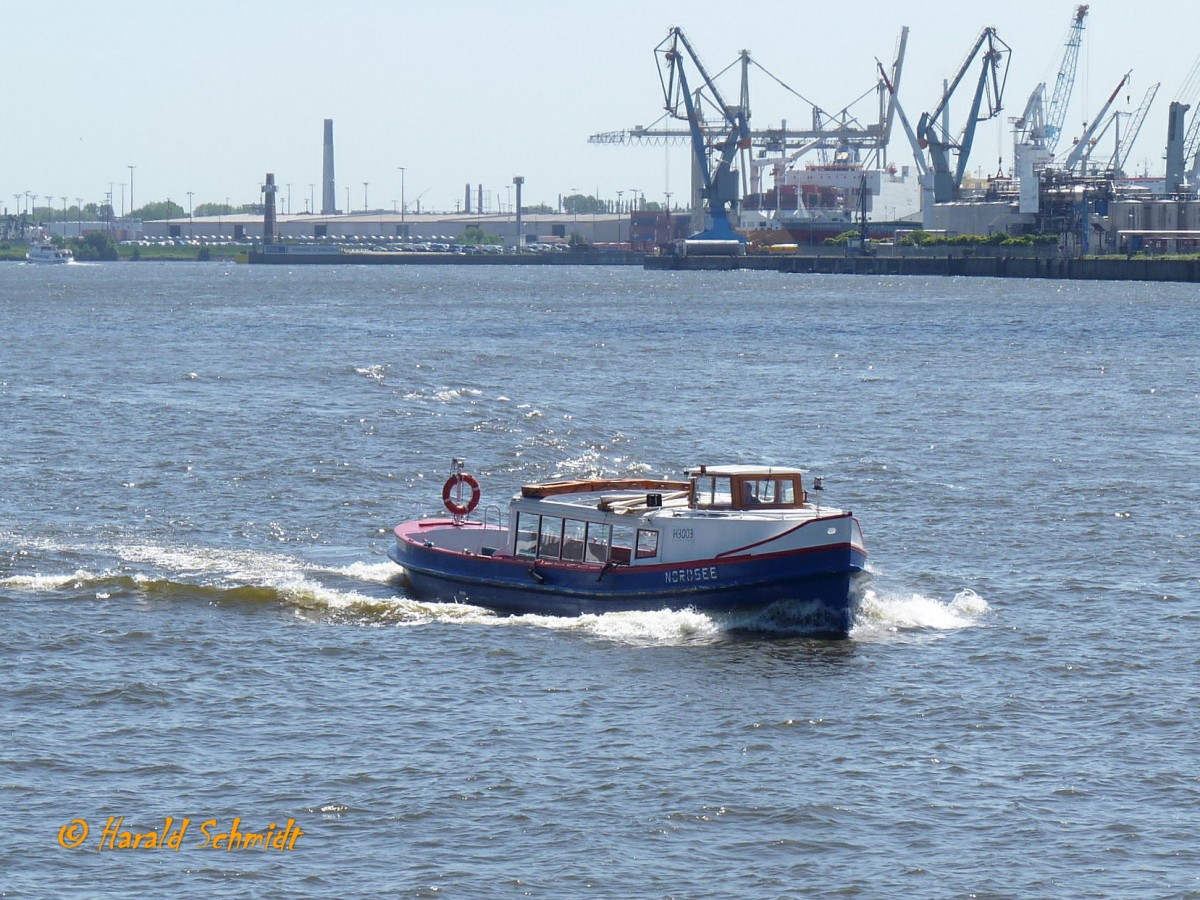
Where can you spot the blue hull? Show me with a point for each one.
(818, 591)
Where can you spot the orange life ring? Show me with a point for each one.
(455, 481)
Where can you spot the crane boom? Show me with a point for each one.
(918, 153)
(719, 188)
(993, 74)
(1191, 149)
(1085, 141)
(1057, 114)
(1125, 144)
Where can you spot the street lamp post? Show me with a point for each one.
(402, 204)
(131, 207)
(191, 232)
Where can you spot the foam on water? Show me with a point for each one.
(638, 628)
(43, 583)
(884, 614)
(374, 593)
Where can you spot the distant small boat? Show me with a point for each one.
(730, 538)
(47, 253)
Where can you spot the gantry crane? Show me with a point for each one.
(835, 134)
(933, 130)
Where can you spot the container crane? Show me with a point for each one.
(719, 186)
(932, 131)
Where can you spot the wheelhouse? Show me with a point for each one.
(746, 488)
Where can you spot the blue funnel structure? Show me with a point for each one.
(713, 148)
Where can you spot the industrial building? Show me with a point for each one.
(390, 227)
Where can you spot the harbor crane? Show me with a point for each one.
(719, 187)
(840, 134)
(1183, 149)
(1037, 130)
(918, 153)
(933, 129)
(1089, 137)
(1125, 142)
(1042, 126)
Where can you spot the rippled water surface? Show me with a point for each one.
(201, 464)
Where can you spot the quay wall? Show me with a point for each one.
(1095, 269)
(373, 258)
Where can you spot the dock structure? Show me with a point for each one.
(1112, 268)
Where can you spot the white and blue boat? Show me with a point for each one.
(46, 252)
(730, 538)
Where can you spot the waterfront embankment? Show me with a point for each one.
(1099, 268)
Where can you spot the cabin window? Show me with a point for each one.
(550, 538)
(647, 544)
(527, 534)
(574, 536)
(598, 538)
(622, 544)
(712, 490)
(768, 492)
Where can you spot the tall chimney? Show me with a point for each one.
(328, 196)
(468, 199)
(519, 180)
(269, 209)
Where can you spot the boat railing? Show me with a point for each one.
(641, 503)
(487, 514)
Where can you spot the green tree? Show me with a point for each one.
(213, 209)
(93, 247)
(476, 235)
(162, 209)
(580, 204)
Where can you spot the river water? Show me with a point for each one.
(202, 462)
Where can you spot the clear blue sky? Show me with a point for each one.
(208, 96)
